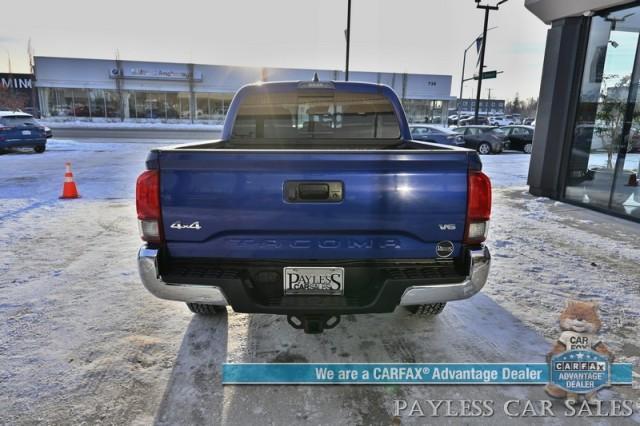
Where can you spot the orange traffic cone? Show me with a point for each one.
(69, 189)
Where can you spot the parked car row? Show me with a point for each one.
(483, 138)
(437, 134)
(465, 120)
(492, 120)
(21, 130)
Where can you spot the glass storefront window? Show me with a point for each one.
(81, 103)
(202, 106)
(212, 106)
(172, 106)
(97, 103)
(423, 111)
(105, 104)
(184, 109)
(219, 104)
(416, 110)
(149, 105)
(169, 106)
(112, 103)
(605, 155)
(436, 112)
(130, 105)
(59, 102)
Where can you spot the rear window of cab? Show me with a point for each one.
(327, 114)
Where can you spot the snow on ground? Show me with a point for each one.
(546, 252)
(507, 169)
(105, 170)
(81, 341)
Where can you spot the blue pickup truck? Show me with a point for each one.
(314, 203)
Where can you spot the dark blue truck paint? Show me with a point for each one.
(400, 201)
(239, 204)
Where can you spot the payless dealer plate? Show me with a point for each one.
(313, 280)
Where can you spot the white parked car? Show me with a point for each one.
(502, 120)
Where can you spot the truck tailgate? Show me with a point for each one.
(395, 205)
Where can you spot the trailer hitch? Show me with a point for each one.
(313, 324)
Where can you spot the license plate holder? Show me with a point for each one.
(26, 132)
(313, 280)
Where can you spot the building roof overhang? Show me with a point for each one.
(551, 10)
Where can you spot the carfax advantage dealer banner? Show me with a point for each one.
(427, 374)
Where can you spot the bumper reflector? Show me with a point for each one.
(149, 230)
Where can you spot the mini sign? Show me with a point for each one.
(16, 81)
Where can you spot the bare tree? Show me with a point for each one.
(11, 100)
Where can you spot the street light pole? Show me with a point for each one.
(464, 59)
(482, 50)
(348, 36)
(486, 8)
(464, 62)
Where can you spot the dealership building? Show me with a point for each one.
(586, 146)
(114, 90)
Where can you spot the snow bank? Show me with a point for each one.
(78, 124)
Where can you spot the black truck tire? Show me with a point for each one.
(202, 309)
(427, 310)
(39, 148)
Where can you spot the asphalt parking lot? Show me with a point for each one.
(81, 341)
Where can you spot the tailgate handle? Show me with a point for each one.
(313, 191)
(297, 191)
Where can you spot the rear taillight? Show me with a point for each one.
(478, 208)
(148, 206)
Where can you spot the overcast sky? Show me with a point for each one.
(417, 36)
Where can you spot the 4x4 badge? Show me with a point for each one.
(179, 225)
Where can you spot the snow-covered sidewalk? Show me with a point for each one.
(120, 125)
(546, 252)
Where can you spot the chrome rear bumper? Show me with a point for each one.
(480, 262)
(147, 266)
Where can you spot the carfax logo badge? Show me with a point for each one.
(580, 372)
